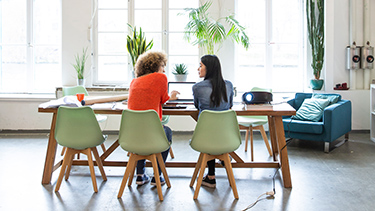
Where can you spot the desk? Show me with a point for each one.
(276, 130)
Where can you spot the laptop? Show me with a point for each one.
(186, 92)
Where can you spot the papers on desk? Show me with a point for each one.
(70, 101)
(109, 106)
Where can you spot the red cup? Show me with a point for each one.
(80, 96)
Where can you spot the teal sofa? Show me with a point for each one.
(335, 122)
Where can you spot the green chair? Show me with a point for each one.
(250, 123)
(143, 145)
(165, 120)
(66, 91)
(78, 131)
(215, 136)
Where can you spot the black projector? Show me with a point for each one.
(257, 97)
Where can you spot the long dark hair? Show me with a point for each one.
(213, 73)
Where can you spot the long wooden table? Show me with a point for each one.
(276, 130)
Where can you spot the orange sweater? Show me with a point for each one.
(149, 92)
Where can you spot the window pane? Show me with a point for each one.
(14, 69)
(142, 19)
(30, 63)
(178, 45)
(286, 65)
(112, 43)
(252, 68)
(252, 15)
(275, 54)
(112, 20)
(13, 22)
(286, 21)
(112, 4)
(46, 22)
(156, 37)
(177, 20)
(47, 69)
(113, 68)
(183, 4)
(147, 4)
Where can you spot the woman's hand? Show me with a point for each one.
(173, 95)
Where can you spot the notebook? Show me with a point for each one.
(185, 89)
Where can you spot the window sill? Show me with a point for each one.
(28, 97)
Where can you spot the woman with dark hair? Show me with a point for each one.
(213, 93)
(149, 90)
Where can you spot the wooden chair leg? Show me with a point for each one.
(103, 147)
(126, 175)
(63, 151)
(92, 170)
(171, 152)
(264, 135)
(69, 167)
(99, 162)
(163, 169)
(246, 138)
(132, 170)
(68, 156)
(156, 175)
(200, 177)
(229, 170)
(196, 170)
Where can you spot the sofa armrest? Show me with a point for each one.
(337, 119)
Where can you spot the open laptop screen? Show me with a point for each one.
(184, 88)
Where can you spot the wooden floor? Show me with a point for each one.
(340, 180)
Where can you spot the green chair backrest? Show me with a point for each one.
(74, 90)
(142, 133)
(77, 128)
(216, 132)
(259, 89)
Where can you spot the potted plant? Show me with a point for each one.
(180, 72)
(315, 29)
(136, 44)
(79, 66)
(210, 34)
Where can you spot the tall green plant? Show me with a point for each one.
(315, 29)
(79, 66)
(206, 32)
(136, 44)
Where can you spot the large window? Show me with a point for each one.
(159, 19)
(275, 57)
(30, 43)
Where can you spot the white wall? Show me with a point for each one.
(21, 114)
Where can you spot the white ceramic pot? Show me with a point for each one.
(180, 77)
(81, 82)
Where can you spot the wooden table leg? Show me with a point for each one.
(283, 152)
(50, 154)
(272, 131)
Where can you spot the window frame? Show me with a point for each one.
(270, 42)
(30, 45)
(165, 31)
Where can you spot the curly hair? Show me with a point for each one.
(150, 62)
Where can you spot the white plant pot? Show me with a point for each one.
(180, 77)
(81, 82)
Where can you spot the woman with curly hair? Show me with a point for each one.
(149, 90)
